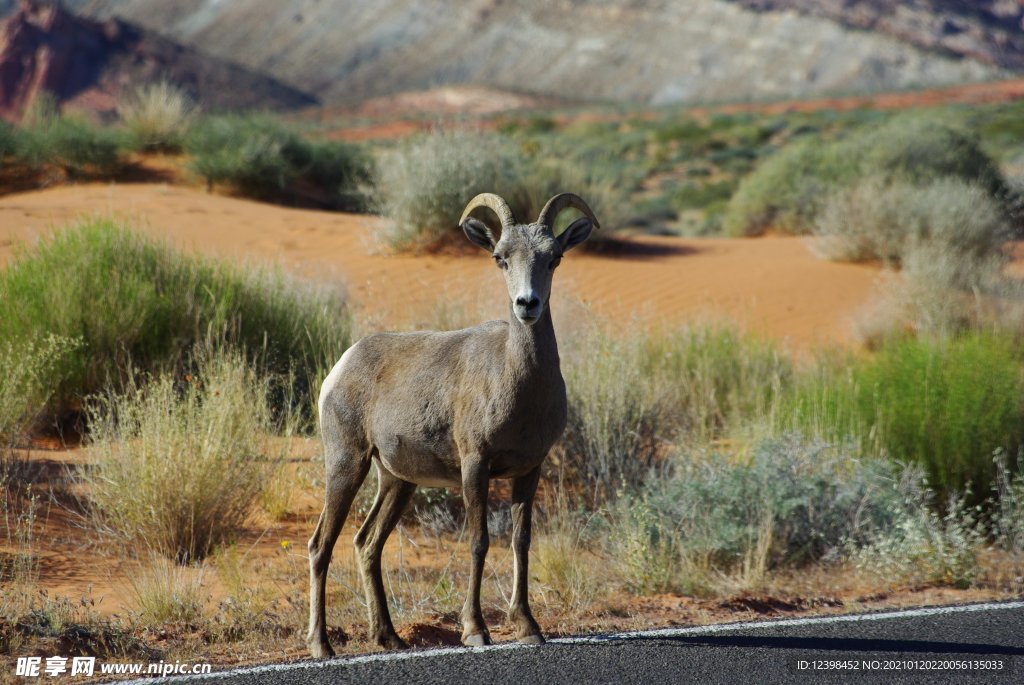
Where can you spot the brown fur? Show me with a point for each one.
(444, 409)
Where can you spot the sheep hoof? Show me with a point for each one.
(476, 640)
(320, 649)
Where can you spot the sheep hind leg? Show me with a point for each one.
(345, 472)
(393, 495)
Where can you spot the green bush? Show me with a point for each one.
(260, 157)
(790, 189)
(701, 195)
(8, 141)
(920, 149)
(136, 303)
(179, 463)
(946, 405)
(30, 374)
(68, 141)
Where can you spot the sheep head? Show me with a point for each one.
(528, 254)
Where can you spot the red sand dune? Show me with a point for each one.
(772, 285)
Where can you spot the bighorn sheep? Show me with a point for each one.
(449, 409)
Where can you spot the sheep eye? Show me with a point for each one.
(500, 261)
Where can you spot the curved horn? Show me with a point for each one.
(563, 201)
(493, 202)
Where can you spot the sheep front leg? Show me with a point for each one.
(523, 490)
(475, 476)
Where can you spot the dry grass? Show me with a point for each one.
(163, 592)
(179, 463)
(157, 115)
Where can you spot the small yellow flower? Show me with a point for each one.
(285, 544)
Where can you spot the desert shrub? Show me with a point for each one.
(1008, 515)
(258, 156)
(922, 546)
(790, 189)
(878, 220)
(68, 141)
(179, 463)
(135, 302)
(790, 501)
(920, 149)
(945, 405)
(631, 396)
(424, 184)
(947, 236)
(157, 115)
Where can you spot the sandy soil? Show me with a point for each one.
(771, 285)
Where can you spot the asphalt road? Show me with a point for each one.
(977, 644)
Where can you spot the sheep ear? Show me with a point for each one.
(576, 233)
(478, 234)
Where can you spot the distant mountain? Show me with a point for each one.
(649, 51)
(87, 64)
(990, 31)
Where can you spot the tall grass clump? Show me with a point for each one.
(179, 462)
(617, 427)
(136, 303)
(157, 116)
(715, 378)
(30, 374)
(68, 141)
(424, 184)
(259, 156)
(631, 397)
(945, 405)
(721, 518)
(163, 592)
(791, 189)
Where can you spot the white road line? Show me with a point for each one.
(592, 639)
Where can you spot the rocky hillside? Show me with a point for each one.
(654, 51)
(990, 31)
(86, 64)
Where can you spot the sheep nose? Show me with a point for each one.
(528, 303)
